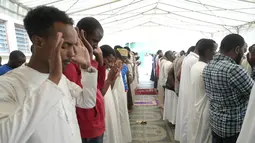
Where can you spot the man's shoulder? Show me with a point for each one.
(222, 67)
(9, 81)
(4, 68)
(189, 61)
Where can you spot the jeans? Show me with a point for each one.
(99, 139)
(218, 139)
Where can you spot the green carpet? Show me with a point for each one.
(156, 130)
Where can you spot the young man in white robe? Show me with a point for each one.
(184, 93)
(199, 130)
(37, 102)
(114, 104)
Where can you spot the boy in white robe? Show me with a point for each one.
(37, 102)
(113, 133)
(199, 130)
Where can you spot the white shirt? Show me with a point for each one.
(199, 130)
(35, 110)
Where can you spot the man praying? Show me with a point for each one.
(37, 102)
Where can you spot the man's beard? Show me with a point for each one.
(238, 58)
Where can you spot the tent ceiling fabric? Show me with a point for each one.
(198, 15)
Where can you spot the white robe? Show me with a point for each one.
(33, 109)
(199, 130)
(112, 122)
(170, 106)
(171, 99)
(183, 101)
(119, 92)
(111, 134)
(161, 83)
(248, 128)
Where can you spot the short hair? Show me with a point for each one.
(38, 21)
(191, 49)
(159, 51)
(127, 48)
(230, 42)
(89, 25)
(182, 53)
(107, 51)
(168, 54)
(204, 45)
(15, 55)
(251, 48)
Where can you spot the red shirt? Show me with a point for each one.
(157, 69)
(91, 121)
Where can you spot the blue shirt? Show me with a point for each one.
(124, 72)
(4, 69)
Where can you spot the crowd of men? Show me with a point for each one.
(208, 95)
(71, 90)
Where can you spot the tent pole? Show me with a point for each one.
(237, 30)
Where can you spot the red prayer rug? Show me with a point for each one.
(146, 92)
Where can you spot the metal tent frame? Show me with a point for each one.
(205, 16)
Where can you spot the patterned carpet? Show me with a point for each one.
(156, 130)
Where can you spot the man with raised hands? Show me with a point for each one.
(37, 102)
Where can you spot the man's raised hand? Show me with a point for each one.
(55, 61)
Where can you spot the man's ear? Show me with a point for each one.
(237, 49)
(38, 42)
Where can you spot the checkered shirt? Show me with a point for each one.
(228, 88)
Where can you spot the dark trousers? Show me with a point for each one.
(155, 83)
(99, 139)
(218, 139)
(152, 74)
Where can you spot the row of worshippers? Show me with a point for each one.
(156, 65)
(209, 96)
(71, 90)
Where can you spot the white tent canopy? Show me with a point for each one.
(206, 17)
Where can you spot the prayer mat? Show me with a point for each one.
(142, 103)
(151, 91)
